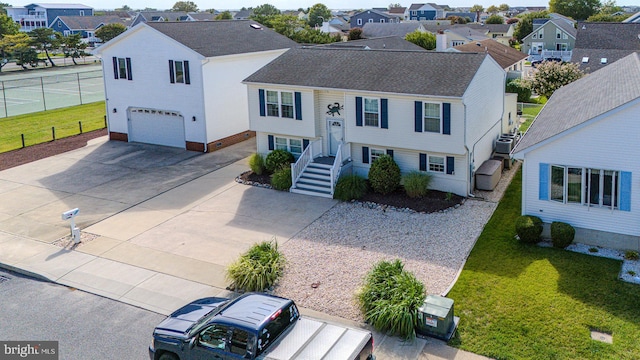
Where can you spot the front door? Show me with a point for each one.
(336, 134)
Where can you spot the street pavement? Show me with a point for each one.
(159, 226)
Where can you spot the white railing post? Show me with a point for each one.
(305, 158)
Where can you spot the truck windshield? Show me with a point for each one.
(278, 323)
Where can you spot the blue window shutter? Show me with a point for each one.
(298, 97)
(543, 191)
(450, 165)
(418, 116)
(115, 67)
(187, 77)
(359, 111)
(263, 110)
(270, 137)
(625, 191)
(446, 118)
(305, 143)
(423, 162)
(390, 152)
(172, 77)
(384, 106)
(129, 77)
(365, 155)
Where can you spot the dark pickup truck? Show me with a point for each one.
(254, 326)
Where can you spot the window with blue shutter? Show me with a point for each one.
(625, 191)
(423, 162)
(543, 189)
(129, 76)
(187, 76)
(298, 101)
(418, 116)
(365, 155)
(451, 165)
(115, 68)
(263, 106)
(359, 111)
(172, 76)
(446, 118)
(384, 106)
(390, 152)
(270, 140)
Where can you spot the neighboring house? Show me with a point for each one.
(179, 83)
(372, 16)
(550, 38)
(377, 30)
(599, 44)
(580, 157)
(434, 112)
(510, 59)
(86, 26)
(204, 16)
(465, 15)
(460, 35)
(330, 29)
(157, 16)
(635, 18)
(381, 43)
(501, 33)
(34, 16)
(242, 15)
(399, 11)
(428, 11)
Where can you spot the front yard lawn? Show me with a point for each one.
(521, 301)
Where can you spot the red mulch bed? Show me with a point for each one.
(28, 154)
(434, 200)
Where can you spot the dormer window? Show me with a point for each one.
(585, 59)
(603, 61)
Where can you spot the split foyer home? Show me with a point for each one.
(41, 15)
(179, 84)
(432, 111)
(581, 157)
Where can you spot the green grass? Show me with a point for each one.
(521, 301)
(529, 112)
(36, 127)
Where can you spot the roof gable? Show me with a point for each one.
(424, 73)
(88, 22)
(585, 99)
(504, 55)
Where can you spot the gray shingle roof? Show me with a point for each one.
(621, 36)
(381, 43)
(565, 26)
(375, 30)
(389, 71)
(595, 56)
(504, 55)
(168, 15)
(89, 22)
(225, 37)
(585, 99)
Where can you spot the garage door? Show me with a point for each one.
(159, 127)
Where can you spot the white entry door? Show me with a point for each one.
(335, 129)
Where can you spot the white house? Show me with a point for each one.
(581, 157)
(180, 83)
(435, 112)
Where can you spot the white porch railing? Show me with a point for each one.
(311, 152)
(343, 153)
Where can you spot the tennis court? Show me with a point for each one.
(32, 91)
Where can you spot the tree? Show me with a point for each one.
(18, 47)
(45, 39)
(609, 7)
(493, 9)
(225, 15)
(124, 8)
(457, 19)
(318, 13)
(551, 75)
(503, 7)
(494, 19)
(287, 25)
(425, 40)
(478, 9)
(525, 25)
(264, 14)
(576, 9)
(314, 36)
(8, 26)
(109, 31)
(72, 46)
(2, 8)
(186, 6)
(394, 5)
(355, 34)
(601, 17)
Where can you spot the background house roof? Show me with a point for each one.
(389, 71)
(202, 16)
(224, 37)
(59, 6)
(381, 43)
(586, 98)
(504, 55)
(611, 41)
(566, 26)
(89, 22)
(375, 30)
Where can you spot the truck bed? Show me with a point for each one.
(312, 339)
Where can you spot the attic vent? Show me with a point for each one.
(585, 59)
(584, 27)
(256, 26)
(603, 61)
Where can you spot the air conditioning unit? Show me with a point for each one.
(504, 146)
(508, 136)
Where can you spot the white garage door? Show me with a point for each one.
(158, 127)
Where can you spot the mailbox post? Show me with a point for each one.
(75, 232)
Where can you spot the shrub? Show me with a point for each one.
(281, 179)
(256, 163)
(416, 184)
(562, 234)
(390, 299)
(384, 175)
(277, 159)
(631, 255)
(257, 269)
(350, 187)
(529, 229)
(520, 87)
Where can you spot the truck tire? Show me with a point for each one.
(168, 356)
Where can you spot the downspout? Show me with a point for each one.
(204, 110)
(469, 193)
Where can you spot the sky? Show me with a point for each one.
(295, 4)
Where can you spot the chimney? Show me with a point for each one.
(441, 41)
